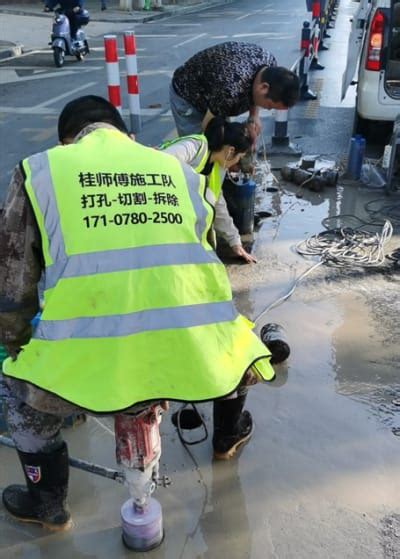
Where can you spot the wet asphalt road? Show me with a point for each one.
(320, 477)
(33, 91)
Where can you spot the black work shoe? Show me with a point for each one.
(51, 514)
(225, 446)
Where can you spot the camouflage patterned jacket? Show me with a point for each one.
(22, 261)
(21, 268)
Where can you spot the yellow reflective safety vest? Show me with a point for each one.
(214, 178)
(200, 159)
(137, 306)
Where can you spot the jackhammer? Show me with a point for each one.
(138, 450)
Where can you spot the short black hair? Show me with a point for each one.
(86, 110)
(284, 85)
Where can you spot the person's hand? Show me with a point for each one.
(253, 127)
(247, 257)
(76, 9)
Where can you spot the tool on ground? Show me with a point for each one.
(311, 172)
(138, 451)
(274, 337)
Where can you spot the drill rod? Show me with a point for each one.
(80, 464)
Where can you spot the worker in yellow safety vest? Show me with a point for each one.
(219, 149)
(137, 307)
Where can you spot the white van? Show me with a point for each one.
(374, 44)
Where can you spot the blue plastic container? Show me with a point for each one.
(356, 156)
(240, 199)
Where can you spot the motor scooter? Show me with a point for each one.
(61, 41)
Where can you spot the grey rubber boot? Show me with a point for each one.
(43, 499)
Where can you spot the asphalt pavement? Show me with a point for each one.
(31, 32)
(319, 479)
(34, 91)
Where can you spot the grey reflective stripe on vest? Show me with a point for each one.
(210, 197)
(128, 259)
(200, 155)
(194, 180)
(202, 152)
(133, 323)
(112, 260)
(42, 185)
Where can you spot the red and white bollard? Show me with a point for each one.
(132, 81)
(112, 66)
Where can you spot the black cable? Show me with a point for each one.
(176, 419)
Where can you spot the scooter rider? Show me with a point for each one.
(74, 11)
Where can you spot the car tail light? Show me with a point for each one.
(375, 42)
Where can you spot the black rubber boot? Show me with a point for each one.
(43, 500)
(232, 427)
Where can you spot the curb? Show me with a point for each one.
(165, 13)
(11, 51)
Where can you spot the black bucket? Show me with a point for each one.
(240, 199)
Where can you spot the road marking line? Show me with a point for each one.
(101, 49)
(243, 16)
(49, 111)
(190, 40)
(153, 72)
(178, 24)
(5, 60)
(19, 67)
(42, 76)
(38, 134)
(271, 35)
(71, 92)
(156, 36)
